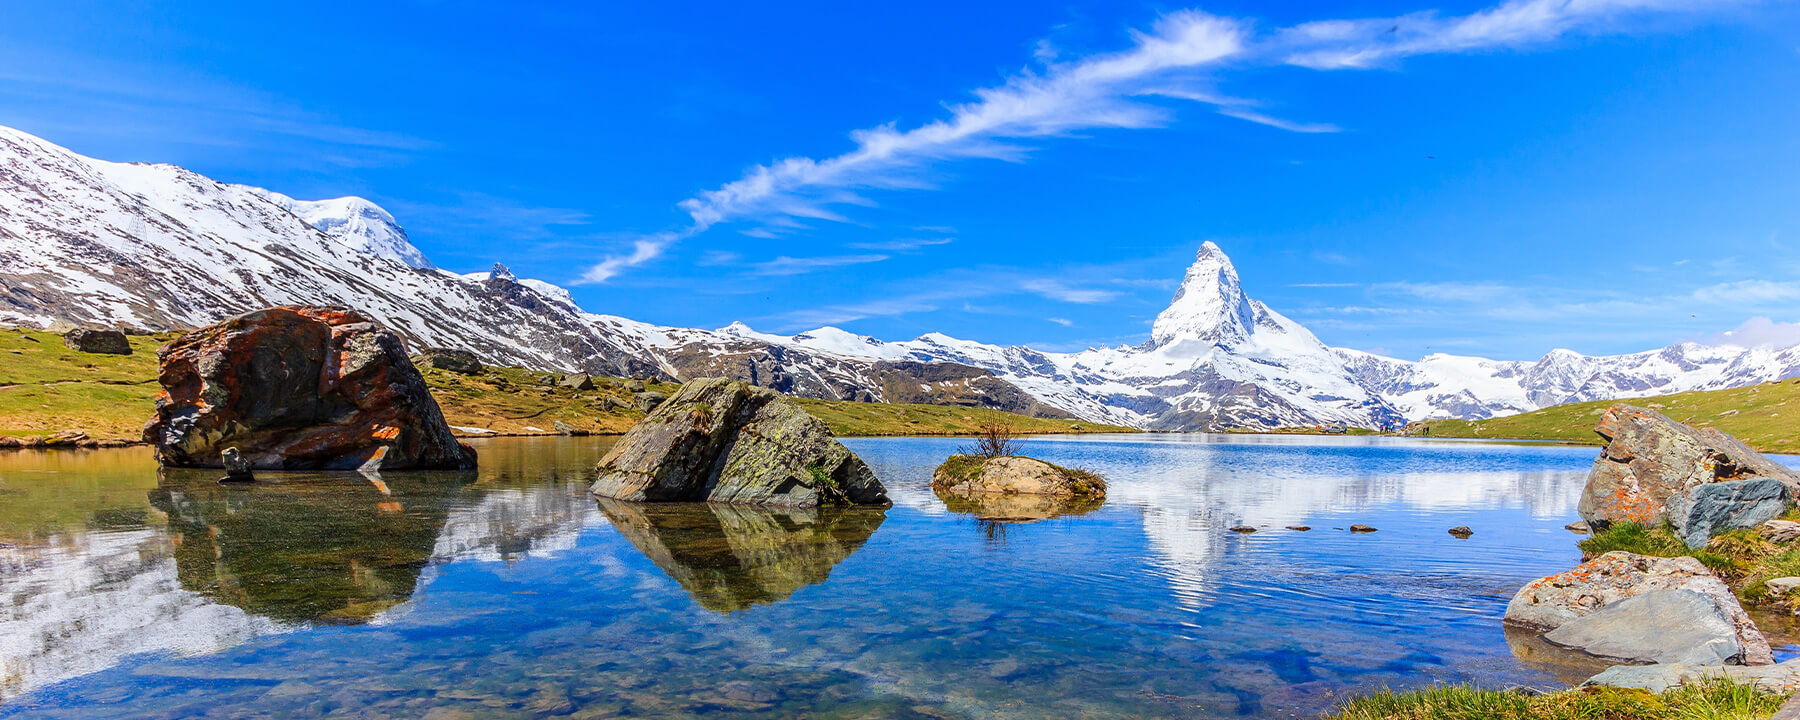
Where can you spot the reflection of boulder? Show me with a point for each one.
(297, 547)
(731, 557)
(994, 507)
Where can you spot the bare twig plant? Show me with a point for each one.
(995, 440)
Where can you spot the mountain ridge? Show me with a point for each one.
(158, 247)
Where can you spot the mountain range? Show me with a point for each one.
(157, 247)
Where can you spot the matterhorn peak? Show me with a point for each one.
(1210, 305)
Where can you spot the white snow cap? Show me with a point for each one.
(356, 223)
(1210, 305)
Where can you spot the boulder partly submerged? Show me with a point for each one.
(1699, 480)
(1013, 475)
(721, 440)
(298, 388)
(1779, 678)
(1704, 622)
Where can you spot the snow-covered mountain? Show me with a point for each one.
(85, 241)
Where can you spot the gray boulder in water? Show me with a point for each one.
(105, 342)
(1547, 604)
(726, 441)
(1665, 626)
(1653, 470)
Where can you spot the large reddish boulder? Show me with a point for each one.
(298, 388)
(1702, 481)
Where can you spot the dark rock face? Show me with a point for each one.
(725, 441)
(457, 361)
(1652, 466)
(1712, 508)
(298, 388)
(109, 342)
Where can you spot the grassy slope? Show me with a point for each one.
(1765, 416)
(45, 387)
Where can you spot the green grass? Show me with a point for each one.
(1766, 417)
(873, 419)
(46, 387)
(1742, 558)
(1717, 700)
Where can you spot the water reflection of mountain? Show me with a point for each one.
(325, 547)
(731, 557)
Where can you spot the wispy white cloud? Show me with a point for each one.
(1447, 291)
(902, 244)
(1055, 290)
(1339, 44)
(1065, 322)
(785, 265)
(1176, 59)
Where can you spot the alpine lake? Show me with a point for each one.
(132, 592)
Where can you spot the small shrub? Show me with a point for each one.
(1714, 700)
(995, 440)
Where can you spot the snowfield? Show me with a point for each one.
(157, 247)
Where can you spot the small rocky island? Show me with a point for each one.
(728, 441)
(298, 388)
(995, 483)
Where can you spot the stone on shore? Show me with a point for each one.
(298, 388)
(1782, 586)
(1713, 508)
(461, 362)
(1779, 531)
(1579, 527)
(1651, 466)
(648, 401)
(1546, 604)
(578, 381)
(1012, 475)
(1779, 678)
(720, 440)
(105, 342)
(1664, 626)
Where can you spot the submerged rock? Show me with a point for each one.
(298, 388)
(1462, 531)
(1779, 678)
(1546, 604)
(1361, 528)
(1011, 475)
(725, 441)
(1578, 527)
(1299, 528)
(1243, 529)
(1652, 467)
(105, 342)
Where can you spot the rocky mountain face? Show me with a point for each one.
(90, 242)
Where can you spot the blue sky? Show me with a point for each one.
(1602, 175)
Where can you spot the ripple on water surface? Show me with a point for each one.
(508, 592)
